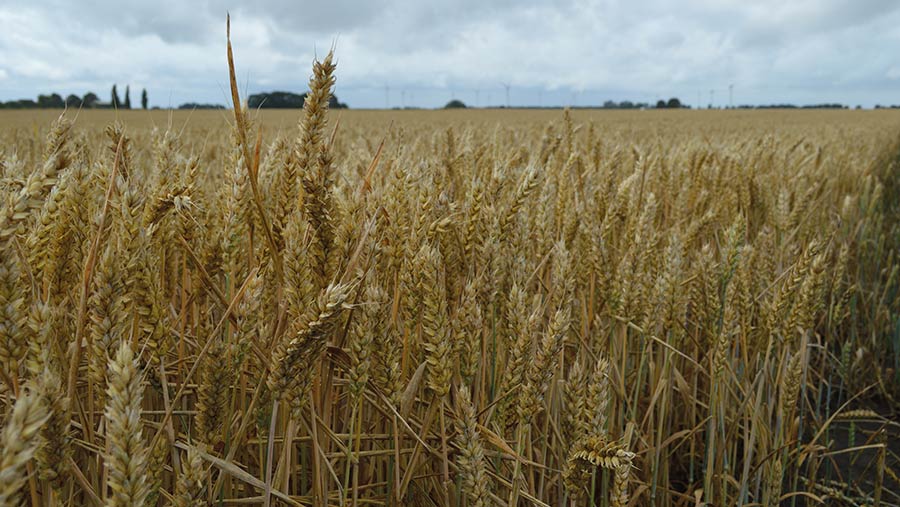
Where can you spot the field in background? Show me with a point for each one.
(654, 121)
(458, 308)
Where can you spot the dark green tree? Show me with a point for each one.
(144, 98)
(52, 101)
(455, 104)
(673, 103)
(276, 100)
(286, 100)
(20, 104)
(90, 100)
(194, 105)
(73, 101)
(660, 104)
(127, 104)
(114, 99)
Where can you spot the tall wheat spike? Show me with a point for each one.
(471, 459)
(20, 441)
(126, 455)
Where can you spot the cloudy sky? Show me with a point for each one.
(423, 53)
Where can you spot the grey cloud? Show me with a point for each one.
(171, 21)
(839, 15)
(334, 16)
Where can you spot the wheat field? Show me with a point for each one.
(466, 308)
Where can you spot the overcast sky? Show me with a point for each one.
(423, 53)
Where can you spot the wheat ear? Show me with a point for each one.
(126, 454)
(19, 442)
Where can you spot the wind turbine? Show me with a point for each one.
(506, 85)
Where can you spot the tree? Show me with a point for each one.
(660, 104)
(194, 105)
(144, 98)
(53, 101)
(285, 100)
(673, 103)
(73, 101)
(455, 104)
(20, 104)
(90, 100)
(114, 98)
(127, 97)
(276, 100)
(334, 103)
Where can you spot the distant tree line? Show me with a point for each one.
(625, 104)
(286, 100)
(675, 103)
(90, 100)
(793, 106)
(672, 103)
(270, 100)
(195, 105)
